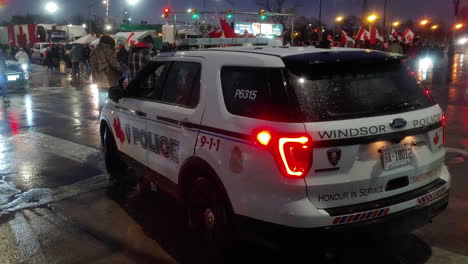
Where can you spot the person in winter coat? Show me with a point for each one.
(395, 47)
(76, 57)
(48, 58)
(22, 57)
(3, 78)
(105, 68)
(122, 55)
(140, 55)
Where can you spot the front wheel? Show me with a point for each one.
(208, 217)
(114, 164)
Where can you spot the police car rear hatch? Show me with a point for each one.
(375, 131)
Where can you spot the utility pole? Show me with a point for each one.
(106, 19)
(365, 8)
(320, 14)
(320, 33)
(384, 19)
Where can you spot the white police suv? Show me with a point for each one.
(284, 139)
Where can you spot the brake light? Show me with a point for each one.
(293, 153)
(429, 95)
(444, 138)
(264, 137)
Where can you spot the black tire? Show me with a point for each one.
(209, 221)
(114, 164)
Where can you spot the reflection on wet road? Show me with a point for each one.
(57, 204)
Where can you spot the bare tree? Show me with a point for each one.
(278, 6)
(456, 5)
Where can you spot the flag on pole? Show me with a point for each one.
(395, 35)
(217, 33)
(375, 35)
(345, 38)
(362, 34)
(227, 29)
(407, 36)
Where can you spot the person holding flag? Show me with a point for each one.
(346, 41)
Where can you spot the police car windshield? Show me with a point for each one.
(355, 89)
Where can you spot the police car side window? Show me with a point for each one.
(154, 83)
(182, 85)
(148, 83)
(259, 93)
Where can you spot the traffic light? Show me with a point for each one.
(229, 13)
(166, 12)
(194, 13)
(262, 14)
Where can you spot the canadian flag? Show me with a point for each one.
(375, 35)
(395, 35)
(408, 36)
(362, 34)
(217, 33)
(345, 38)
(227, 29)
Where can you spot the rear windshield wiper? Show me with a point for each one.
(401, 106)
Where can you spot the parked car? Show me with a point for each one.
(39, 52)
(17, 75)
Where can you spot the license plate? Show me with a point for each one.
(13, 77)
(397, 155)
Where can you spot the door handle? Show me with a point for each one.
(140, 113)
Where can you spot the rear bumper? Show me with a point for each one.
(392, 224)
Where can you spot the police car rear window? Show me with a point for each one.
(259, 93)
(355, 89)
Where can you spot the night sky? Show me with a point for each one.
(151, 10)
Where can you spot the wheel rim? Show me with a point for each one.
(207, 214)
(209, 219)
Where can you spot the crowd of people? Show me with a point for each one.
(108, 66)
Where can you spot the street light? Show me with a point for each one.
(133, 2)
(108, 27)
(458, 26)
(51, 7)
(434, 27)
(424, 22)
(339, 19)
(396, 23)
(372, 18)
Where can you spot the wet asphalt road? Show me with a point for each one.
(58, 206)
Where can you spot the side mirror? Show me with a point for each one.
(116, 93)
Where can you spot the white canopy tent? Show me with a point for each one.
(85, 40)
(135, 37)
(118, 40)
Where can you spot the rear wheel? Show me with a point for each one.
(208, 218)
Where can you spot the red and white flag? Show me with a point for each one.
(345, 38)
(362, 34)
(217, 33)
(395, 35)
(408, 36)
(227, 29)
(375, 35)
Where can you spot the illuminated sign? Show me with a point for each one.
(258, 28)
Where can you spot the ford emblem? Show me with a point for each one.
(398, 123)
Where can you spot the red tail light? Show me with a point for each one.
(443, 129)
(293, 153)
